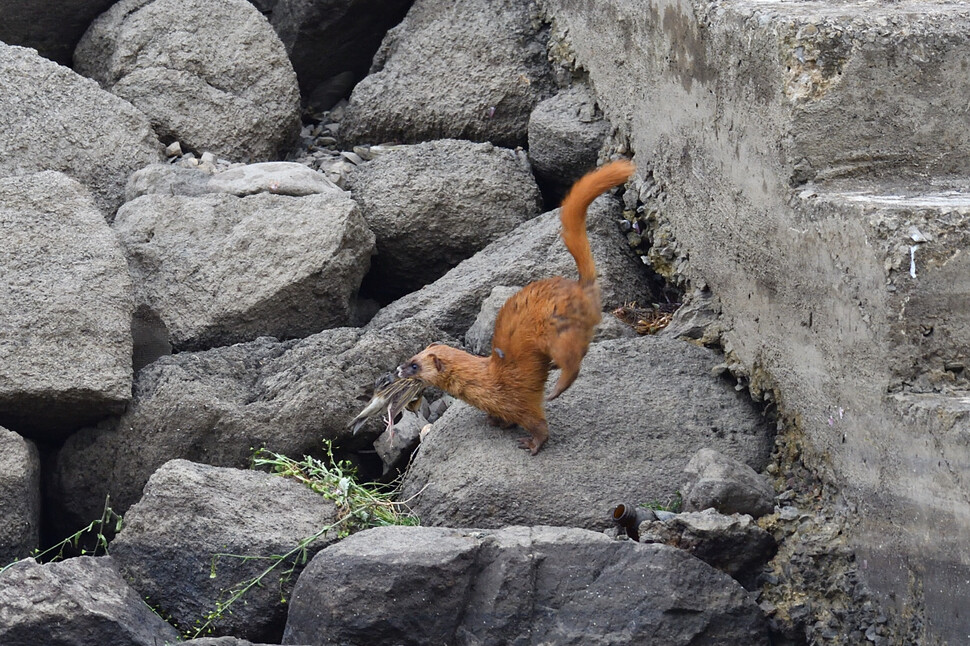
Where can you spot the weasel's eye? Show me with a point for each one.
(414, 366)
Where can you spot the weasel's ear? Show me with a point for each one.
(439, 365)
(433, 343)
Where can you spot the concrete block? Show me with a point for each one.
(808, 152)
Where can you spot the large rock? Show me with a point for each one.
(65, 308)
(566, 132)
(636, 414)
(278, 178)
(52, 27)
(77, 602)
(182, 544)
(54, 119)
(219, 269)
(532, 251)
(478, 337)
(19, 497)
(219, 641)
(435, 204)
(732, 543)
(330, 40)
(538, 585)
(847, 298)
(718, 481)
(211, 74)
(431, 78)
(216, 407)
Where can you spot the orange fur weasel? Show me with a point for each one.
(547, 322)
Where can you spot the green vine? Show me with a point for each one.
(359, 506)
(109, 519)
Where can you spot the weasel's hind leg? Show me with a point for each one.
(538, 434)
(567, 352)
(499, 422)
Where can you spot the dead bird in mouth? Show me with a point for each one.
(392, 394)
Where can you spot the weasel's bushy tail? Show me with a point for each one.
(573, 213)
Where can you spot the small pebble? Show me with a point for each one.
(174, 149)
(788, 513)
(352, 157)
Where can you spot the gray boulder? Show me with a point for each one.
(566, 132)
(719, 481)
(167, 179)
(219, 641)
(329, 40)
(277, 178)
(19, 497)
(478, 338)
(538, 585)
(216, 407)
(638, 410)
(435, 204)
(211, 74)
(65, 308)
(182, 543)
(431, 78)
(733, 544)
(395, 447)
(219, 269)
(52, 27)
(532, 251)
(697, 319)
(54, 119)
(77, 602)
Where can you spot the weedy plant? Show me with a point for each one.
(359, 506)
(674, 503)
(97, 528)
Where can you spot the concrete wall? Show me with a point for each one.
(815, 160)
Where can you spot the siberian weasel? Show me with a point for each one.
(547, 322)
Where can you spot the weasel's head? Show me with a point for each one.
(426, 365)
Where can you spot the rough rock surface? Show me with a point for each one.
(732, 543)
(718, 481)
(51, 27)
(220, 641)
(65, 308)
(395, 452)
(478, 338)
(278, 178)
(77, 602)
(435, 204)
(19, 497)
(566, 132)
(829, 216)
(541, 585)
(216, 406)
(432, 78)
(532, 251)
(218, 269)
(54, 119)
(191, 512)
(245, 103)
(328, 40)
(624, 431)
